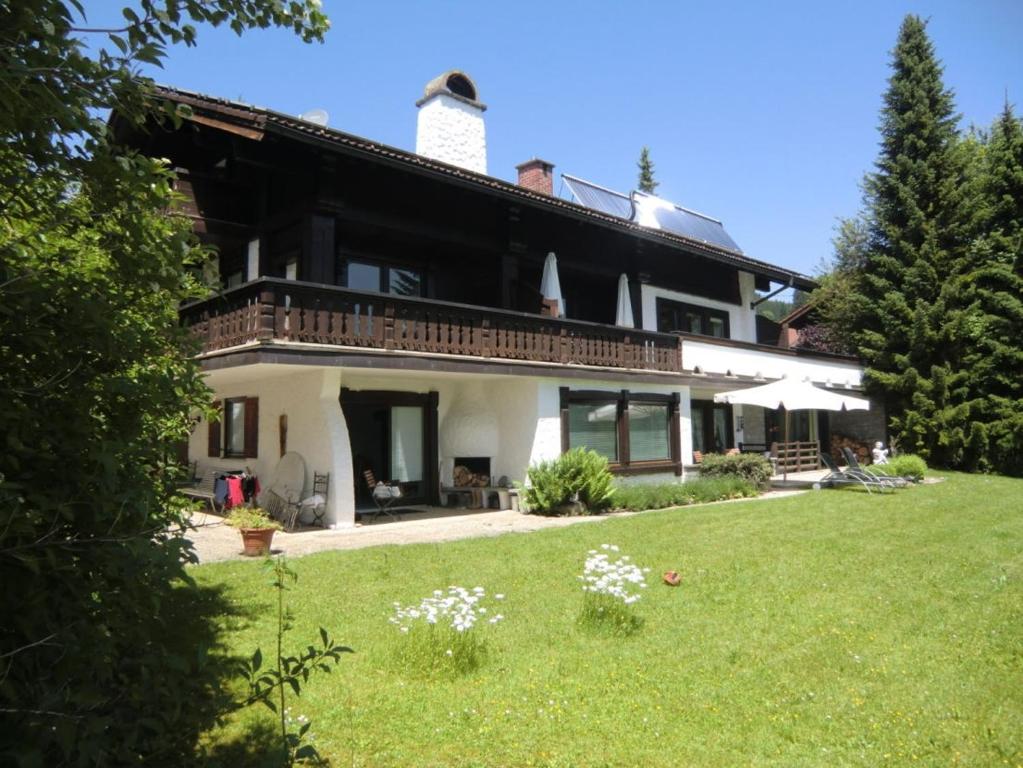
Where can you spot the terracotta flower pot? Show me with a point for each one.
(256, 541)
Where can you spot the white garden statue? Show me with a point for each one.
(880, 453)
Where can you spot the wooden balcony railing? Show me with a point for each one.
(271, 309)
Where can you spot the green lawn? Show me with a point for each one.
(830, 628)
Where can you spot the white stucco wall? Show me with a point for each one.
(316, 427)
(747, 317)
(452, 131)
(720, 359)
(742, 320)
(515, 420)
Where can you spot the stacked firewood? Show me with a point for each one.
(465, 478)
(859, 447)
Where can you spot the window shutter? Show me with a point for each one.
(213, 446)
(251, 427)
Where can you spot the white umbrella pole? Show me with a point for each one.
(785, 466)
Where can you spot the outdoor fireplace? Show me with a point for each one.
(471, 471)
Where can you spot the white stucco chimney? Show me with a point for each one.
(450, 126)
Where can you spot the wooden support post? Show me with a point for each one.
(265, 330)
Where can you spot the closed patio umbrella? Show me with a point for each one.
(550, 286)
(623, 316)
(792, 395)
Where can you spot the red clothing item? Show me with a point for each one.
(234, 492)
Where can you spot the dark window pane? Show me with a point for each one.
(405, 282)
(699, 438)
(594, 426)
(648, 432)
(722, 430)
(363, 277)
(690, 318)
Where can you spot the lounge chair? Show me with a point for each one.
(854, 465)
(849, 476)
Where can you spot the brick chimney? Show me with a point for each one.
(537, 175)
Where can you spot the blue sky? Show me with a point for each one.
(761, 114)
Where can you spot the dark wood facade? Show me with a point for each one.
(318, 206)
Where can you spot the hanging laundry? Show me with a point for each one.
(235, 497)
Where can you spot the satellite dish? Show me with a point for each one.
(316, 116)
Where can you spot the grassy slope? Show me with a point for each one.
(832, 628)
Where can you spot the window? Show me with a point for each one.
(649, 428)
(363, 277)
(636, 432)
(236, 435)
(234, 427)
(400, 281)
(674, 316)
(594, 426)
(404, 282)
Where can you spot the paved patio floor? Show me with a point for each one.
(214, 540)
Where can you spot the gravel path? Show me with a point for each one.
(214, 540)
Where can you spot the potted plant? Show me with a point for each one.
(256, 527)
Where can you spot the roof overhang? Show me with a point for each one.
(255, 122)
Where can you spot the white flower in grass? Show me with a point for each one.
(602, 576)
(458, 608)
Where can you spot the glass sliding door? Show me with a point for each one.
(699, 436)
(407, 448)
(394, 436)
(712, 426)
(802, 426)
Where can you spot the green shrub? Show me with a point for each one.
(251, 517)
(905, 465)
(639, 496)
(751, 467)
(579, 475)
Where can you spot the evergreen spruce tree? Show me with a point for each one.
(646, 173)
(916, 236)
(994, 360)
(928, 281)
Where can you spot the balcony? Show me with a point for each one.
(273, 311)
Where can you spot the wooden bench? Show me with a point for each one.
(205, 489)
(284, 511)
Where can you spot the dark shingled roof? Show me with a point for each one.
(253, 121)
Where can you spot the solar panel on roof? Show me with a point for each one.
(598, 198)
(688, 223)
(651, 211)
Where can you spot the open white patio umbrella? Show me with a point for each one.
(792, 395)
(623, 316)
(550, 286)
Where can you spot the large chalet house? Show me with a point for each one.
(383, 309)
